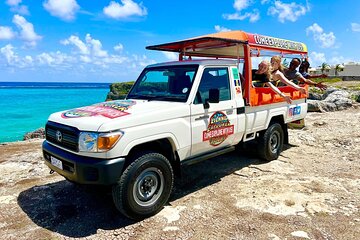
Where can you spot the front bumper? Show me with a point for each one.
(84, 170)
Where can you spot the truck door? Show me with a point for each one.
(213, 127)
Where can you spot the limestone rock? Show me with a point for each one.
(313, 106)
(333, 100)
(38, 133)
(315, 96)
(300, 234)
(329, 91)
(340, 98)
(321, 106)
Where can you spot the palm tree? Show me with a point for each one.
(325, 67)
(338, 68)
(285, 63)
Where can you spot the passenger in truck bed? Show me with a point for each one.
(277, 74)
(262, 76)
(303, 69)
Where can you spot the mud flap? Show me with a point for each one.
(298, 124)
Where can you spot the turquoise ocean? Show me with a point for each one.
(25, 106)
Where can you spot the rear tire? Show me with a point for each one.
(270, 142)
(144, 187)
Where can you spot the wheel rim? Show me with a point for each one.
(149, 186)
(274, 142)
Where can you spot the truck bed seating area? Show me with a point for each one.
(265, 95)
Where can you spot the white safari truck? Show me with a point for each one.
(177, 113)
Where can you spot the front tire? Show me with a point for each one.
(270, 142)
(144, 187)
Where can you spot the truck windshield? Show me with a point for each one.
(166, 83)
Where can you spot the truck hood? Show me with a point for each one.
(120, 114)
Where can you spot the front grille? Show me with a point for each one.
(69, 135)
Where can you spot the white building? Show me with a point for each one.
(351, 69)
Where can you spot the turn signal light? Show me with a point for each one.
(108, 141)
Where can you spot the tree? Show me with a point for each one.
(285, 63)
(325, 67)
(338, 68)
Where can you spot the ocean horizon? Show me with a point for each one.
(26, 106)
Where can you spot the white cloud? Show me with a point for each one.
(13, 2)
(75, 40)
(355, 27)
(241, 4)
(6, 33)
(253, 16)
(288, 11)
(316, 59)
(21, 9)
(96, 46)
(89, 56)
(326, 40)
(64, 9)
(91, 46)
(56, 59)
(45, 58)
(119, 47)
(85, 59)
(171, 56)
(28, 60)
(221, 29)
(26, 28)
(141, 61)
(12, 58)
(264, 1)
(115, 59)
(9, 54)
(126, 9)
(339, 59)
(16, 7)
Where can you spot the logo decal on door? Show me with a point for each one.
(218, 130)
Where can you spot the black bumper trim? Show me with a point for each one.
(82, 169)
(240, 110)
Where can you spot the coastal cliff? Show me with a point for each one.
(119, 90)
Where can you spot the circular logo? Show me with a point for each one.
(218, 130)
(58, 136)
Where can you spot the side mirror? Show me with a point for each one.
(214, 97)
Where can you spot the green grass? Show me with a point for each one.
(327, 80)
(316, 90)
(354, 88)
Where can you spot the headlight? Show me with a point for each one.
(88, 142)
(98, 142)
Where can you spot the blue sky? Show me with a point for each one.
(104, 41)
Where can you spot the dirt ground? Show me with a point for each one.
(311, 192)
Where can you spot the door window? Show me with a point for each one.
(213, 78)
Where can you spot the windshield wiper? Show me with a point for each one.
(167, 98)
(150, 97)
(140, 96)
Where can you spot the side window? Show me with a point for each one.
(217, 78)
